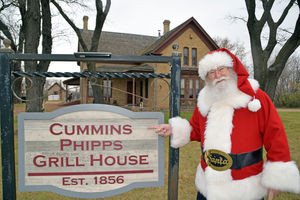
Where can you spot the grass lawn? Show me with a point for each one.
(189, 158)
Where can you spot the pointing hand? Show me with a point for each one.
(162, 129)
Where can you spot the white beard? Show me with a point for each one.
(222, 90)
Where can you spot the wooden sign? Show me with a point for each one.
(89, 151)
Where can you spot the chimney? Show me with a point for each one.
(85, 23)
(166, 26)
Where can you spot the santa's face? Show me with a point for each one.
(222, 84)
(218, 75)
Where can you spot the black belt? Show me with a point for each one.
(242, 160)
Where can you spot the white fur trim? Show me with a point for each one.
(204, 101)
(237, 100)
(283, 176)
(213, 61)
(254, 84)
(254, 105)
(218, 136)
(246, 189)
(218, 128)
(181, 131)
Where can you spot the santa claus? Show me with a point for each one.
(233, 121)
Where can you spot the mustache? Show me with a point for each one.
(219, 79)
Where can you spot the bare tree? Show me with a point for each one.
(100, 18)
(32, 25)
(268, 75)
(35, 22)
(7, 30)
(289, 83)
(237, 48)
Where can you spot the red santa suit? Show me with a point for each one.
(244, 122)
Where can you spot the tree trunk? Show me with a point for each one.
(96, 85)
(32, 22)
(271, 83)
(32, 37)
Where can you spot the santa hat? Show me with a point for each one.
(223, 57)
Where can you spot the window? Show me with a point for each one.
(146, 88)
(194, 57)
(90, 90)
(185, 56)
(197, 86)
(107, 89)
(182, 88)
(141, 88)
(190, 88)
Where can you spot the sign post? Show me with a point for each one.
(7, 130)
(89, 151)
(174, 112)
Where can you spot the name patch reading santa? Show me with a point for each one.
(90, 151)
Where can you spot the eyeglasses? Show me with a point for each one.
(219, 70)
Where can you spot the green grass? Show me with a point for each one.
(189, 158)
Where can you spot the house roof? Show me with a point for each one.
(119, 43)
(56, 84)
(125, 68)
(134, 44)
(171, 35)
(72, 81)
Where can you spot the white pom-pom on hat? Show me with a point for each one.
(254, 105)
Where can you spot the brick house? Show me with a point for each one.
(193, 43)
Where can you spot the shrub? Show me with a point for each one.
(290, 100)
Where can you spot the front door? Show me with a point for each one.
(129, 92)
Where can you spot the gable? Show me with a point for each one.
(56, 87)
(168, 38)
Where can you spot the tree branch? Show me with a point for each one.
(288, 48)
(250, 5)
(75, 28)
(100, 18)
(266, 14)
(7, 33)
(284, 13)
(107, 7)
(234, 18)
(4, 6)
(273, 30)
(46, 32)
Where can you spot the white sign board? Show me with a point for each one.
(89, 151)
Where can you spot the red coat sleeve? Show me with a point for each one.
(195, 123)
(274, 136)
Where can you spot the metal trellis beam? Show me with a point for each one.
(92, 74)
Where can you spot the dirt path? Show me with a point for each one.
(49, 106)
(288, 109)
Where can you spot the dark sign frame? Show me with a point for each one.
(6, 104)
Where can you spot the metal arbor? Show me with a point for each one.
(6, 104)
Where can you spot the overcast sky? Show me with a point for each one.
(146, 18)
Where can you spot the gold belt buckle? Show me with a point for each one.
(218, 160)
